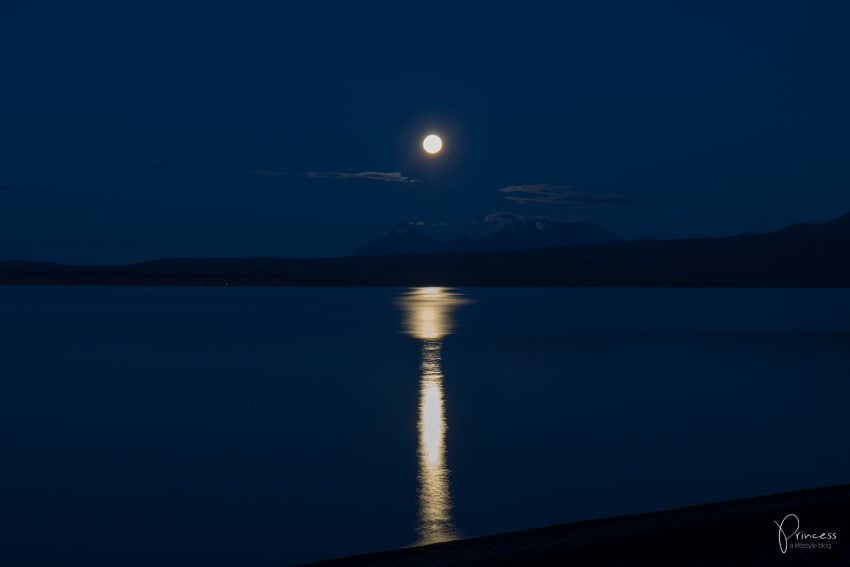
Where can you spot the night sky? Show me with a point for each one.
(132, 130)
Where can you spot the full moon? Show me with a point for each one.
(432, 144)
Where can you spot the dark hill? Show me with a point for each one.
(403, 239)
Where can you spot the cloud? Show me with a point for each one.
(27, 190)
(424, 223)
(387, 176)
(558, 195)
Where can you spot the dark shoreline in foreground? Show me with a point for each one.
(734, 532)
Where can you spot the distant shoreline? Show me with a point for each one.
(803, 255)
(733, 532)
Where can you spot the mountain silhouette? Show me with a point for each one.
(501, 235)
(403, 239)
(800, 255)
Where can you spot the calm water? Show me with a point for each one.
(272, 426)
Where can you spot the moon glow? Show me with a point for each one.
(432, 144)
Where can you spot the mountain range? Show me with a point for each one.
(801, 255)
(500, 235)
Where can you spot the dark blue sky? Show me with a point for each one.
(131, 130)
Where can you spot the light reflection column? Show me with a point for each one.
(428, 318)
(435, 501)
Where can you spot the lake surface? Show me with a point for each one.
(270, 426)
